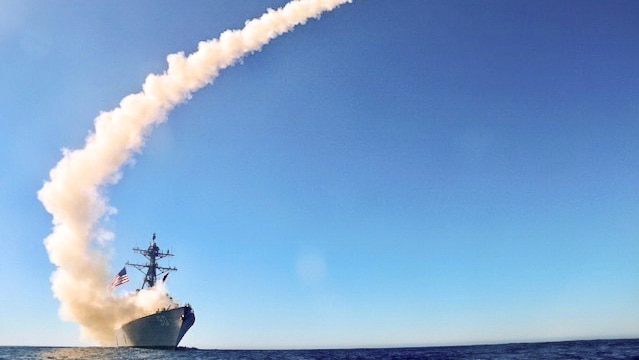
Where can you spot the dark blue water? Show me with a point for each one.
(592, 350)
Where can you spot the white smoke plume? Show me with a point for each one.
(74, 194)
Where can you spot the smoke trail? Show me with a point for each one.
(74, 197)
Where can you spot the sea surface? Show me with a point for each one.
(591, 349)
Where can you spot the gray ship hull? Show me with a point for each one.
(163, 329)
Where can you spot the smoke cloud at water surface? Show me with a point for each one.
(74, 193)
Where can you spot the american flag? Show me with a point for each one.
(120, 278)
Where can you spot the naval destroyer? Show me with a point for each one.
(166, 327)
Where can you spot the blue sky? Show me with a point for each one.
(396, 173)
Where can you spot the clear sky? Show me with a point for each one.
(394, 173)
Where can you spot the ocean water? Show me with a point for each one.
(591, 350)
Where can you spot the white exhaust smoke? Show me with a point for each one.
(74, 197)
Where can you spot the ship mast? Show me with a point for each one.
(153, 254)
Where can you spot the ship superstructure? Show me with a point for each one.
(166, 327)
(152, 254)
